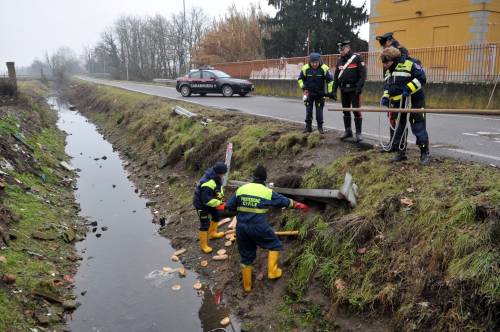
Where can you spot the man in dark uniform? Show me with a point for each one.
(387, 40)
(316, 81)
(207, 200)
(404, 78)
(252, 202)
(350, 76)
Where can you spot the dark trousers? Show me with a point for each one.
(250, 235)
(351, 100)
(207, 216)
(319, 102)
(417, 125)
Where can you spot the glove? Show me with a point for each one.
(221, 207)
(384, 101)
(406, 92)
(305, 96)
(301, 206)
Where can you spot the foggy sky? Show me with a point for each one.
(29, 28)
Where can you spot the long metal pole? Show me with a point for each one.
(419, 110)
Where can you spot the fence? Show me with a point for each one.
(460, 63)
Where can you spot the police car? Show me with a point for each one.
(203, 81)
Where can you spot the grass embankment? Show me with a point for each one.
(421, 248)
(37, 215)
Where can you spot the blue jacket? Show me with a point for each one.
(314, 80)
(209, 192)
(404, 74)
(253, 200)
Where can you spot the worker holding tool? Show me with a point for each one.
(208, 200)
(251, 203)
(387, 40)
(404, 78)
(350, 76)
(312, 79)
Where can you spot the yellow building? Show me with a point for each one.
(431, 23)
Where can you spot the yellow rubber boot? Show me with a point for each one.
(246, 272)
(204, 242)
(273, 271)
(212, 231)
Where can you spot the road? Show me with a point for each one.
(465, 137)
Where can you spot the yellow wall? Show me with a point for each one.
(428, 23)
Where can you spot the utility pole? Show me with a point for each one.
(308, 41)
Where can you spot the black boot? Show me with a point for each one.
(308, 128)
(320, 128)
(347, 126)
(358, 124)
(399, 156)
(425, 156)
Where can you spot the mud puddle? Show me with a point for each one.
(121, 283)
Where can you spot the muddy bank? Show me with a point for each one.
(419, 252)
(39, 220)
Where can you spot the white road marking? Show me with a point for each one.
(487, 156)
(470, 134)
(466, 152)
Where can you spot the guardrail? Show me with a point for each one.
(458, 63)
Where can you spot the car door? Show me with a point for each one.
(195, 81)
(210, 81)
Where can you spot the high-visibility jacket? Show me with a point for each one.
(314, 80)
(403, 74)
(253, 200)
(209, 192)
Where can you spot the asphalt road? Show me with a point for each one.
(465, 137)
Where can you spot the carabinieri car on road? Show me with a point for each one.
(203, 81)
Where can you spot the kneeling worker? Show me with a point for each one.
(207, 200)
(252, 202)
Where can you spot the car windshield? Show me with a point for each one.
(220, 74)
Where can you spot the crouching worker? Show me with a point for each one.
(252, 202)
(208, 200)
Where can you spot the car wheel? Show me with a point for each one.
(243, 94)
(203, 94)
(227, 91)
(185, 91)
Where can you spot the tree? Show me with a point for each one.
(235, 37)
(62, 63)
(323, 22)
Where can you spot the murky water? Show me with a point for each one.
(117, 296)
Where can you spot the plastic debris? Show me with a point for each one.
(180, 252)
(167, 269)
(182, 272)
(176, 287)
(361, 251)
(224, 221)
(340, 284)
(406, 201)
(225, 321)
(158, 277)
